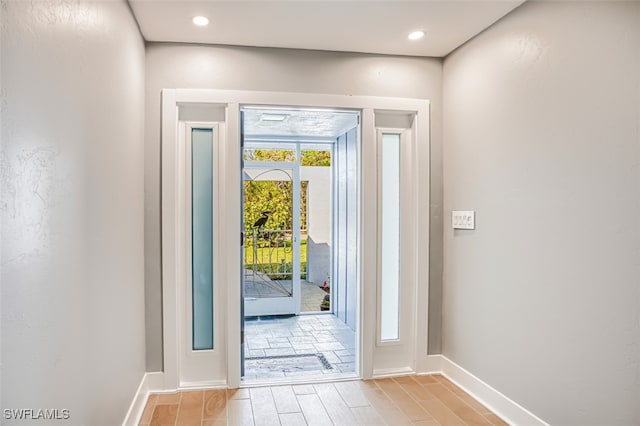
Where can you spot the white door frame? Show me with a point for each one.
(229, 191)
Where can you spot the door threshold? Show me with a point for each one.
(301, 380)
(302, 314)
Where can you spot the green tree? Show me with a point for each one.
(316, 158)
(268, 196)
(308, 158)
(287, 155)
(276, 196)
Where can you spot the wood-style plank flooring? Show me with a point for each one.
(409, 400)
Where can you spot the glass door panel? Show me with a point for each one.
(390, 237)
(202, 237)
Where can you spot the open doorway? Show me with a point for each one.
(391, 338)
(299, 204)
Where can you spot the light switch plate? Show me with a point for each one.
(463, 219)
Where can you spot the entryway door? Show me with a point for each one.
(271, 241)
(202, 307)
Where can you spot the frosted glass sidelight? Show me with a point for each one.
(390, 237)
(202, 237)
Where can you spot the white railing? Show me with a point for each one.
(270, 252)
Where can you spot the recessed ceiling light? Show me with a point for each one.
(273, 117)
(201, 21)
(416, 35)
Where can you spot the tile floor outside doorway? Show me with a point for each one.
(273, 342)
(257, 284)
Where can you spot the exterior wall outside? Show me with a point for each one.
(72, 209)
(319, 222)
(244, 68)
(542, 140)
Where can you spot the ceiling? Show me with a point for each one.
(367, 26)
(268, 122)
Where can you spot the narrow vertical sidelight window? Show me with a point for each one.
(202, 237)
(390, 237)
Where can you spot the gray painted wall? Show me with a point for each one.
(72, 209)
(219, 67)
(542, 139)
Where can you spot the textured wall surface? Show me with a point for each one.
(237, 68)
(72, 209)
(542, 139)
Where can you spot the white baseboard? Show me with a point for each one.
(431, 364)
(505, 408)
(151, 382)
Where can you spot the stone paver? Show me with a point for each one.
(301, 335)
(257, 284)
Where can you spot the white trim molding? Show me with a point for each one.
(502, 406)
(151, 382)
(370, 358)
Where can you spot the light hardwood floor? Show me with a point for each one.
(409, 400)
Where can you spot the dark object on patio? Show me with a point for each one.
(260, 222)
(326, 302)
(287, 363)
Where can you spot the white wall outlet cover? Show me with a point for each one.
(463, 219)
